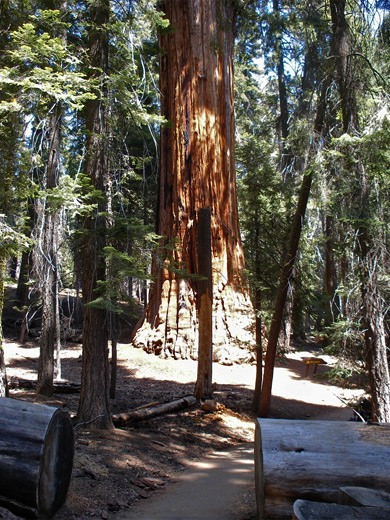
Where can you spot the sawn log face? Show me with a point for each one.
(36, 455)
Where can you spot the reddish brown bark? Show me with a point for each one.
(197, 171)
(288, 268)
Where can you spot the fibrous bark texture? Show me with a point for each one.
(48, 261)
(94, 405)
(197, 171)
(372, 300)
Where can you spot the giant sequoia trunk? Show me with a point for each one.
(197, 171)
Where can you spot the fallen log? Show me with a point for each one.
(306, 510)
(311, 460)
(361, 496)
(36, 457)
(126, 419)
(60, 387)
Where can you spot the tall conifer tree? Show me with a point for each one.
(197, 170)
(94, 406)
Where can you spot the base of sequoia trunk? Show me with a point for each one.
(175, 333)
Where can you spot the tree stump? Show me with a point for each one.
(36, 457)
(311, 460)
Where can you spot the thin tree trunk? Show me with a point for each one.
(375, 341)
(197, 170)
(258, 322)
(203, 387)
(259, 352)
(57, 357)
(373, 311)
(285, 152)
(3, 374)
(288, 268)
(50, 337)
(48, 259)
(94, 405)
(281, 297)
(26, 264)
(114, 354)
(330, 272)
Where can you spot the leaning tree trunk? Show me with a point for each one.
(197, 171)
(94, 406)
(288, 268)
(372, 303)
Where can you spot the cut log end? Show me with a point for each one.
(57, 463)
(36, 456)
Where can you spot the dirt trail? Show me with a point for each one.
(221, 486)
(118, 473)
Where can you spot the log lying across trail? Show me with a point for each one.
(36, 457)
(312, 460)
(125, 419)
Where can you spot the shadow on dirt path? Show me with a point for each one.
(205, 457)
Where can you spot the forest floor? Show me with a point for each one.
(117, 470)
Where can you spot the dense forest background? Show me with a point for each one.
(79, 164)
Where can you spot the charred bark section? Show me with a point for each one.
(196, 171)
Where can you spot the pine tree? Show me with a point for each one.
(94, 406)
(373, 308)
